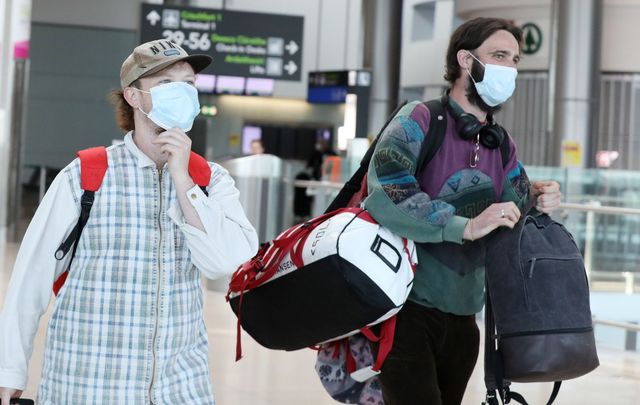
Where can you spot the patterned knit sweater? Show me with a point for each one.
(433, 206)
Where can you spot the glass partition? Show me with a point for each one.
(611, 241)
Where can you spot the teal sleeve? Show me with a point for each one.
(395, 198)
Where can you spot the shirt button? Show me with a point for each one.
(193, 196)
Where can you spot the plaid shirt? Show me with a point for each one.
(128, 327)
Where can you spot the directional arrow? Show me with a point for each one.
(291, 67)
(292, 47)
(153, 17)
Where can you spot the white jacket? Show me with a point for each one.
(127, 327)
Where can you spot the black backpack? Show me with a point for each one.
(537, 315)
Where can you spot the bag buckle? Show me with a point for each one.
(491, 399)
(363, 374)
(257, 265)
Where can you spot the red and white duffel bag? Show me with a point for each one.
(322, 280)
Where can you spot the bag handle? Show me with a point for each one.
(268, 258)
(385, 339)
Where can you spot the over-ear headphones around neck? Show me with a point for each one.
(468, 127)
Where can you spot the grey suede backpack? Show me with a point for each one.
(537, 315)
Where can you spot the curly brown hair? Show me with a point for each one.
(470, 36)
(124, 112)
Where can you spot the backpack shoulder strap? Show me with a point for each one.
(435, 135)
(199, 171)
(355, 183)
(505, 149)
(93, 166)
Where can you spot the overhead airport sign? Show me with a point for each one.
(241, 44)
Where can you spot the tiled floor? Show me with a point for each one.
(265, 377)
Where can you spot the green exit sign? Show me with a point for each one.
(532, 38)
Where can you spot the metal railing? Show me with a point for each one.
(631, 331)
(591, 209)
(624, 325)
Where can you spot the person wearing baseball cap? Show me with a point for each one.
(127, 325)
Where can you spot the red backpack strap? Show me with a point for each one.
(199, 171)
(93, 166)
(57, 285)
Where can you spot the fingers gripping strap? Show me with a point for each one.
(93, 166)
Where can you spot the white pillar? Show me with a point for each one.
(5, 97)
(16, 59)
(382, 55)
(577, 69)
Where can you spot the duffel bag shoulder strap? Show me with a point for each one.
(297, 249)
(266, 262)
(292, 242)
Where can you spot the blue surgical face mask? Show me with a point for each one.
(175, 105)
(498, 83)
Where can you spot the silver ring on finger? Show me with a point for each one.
(501, 213)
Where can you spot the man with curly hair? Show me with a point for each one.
(127, 326)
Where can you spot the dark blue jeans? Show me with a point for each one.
(432, 357)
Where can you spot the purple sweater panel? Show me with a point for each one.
(455, 155)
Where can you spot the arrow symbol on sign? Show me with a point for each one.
(292, 47)
(153, 17)
(291, 67)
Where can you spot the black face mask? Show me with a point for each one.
(477, 71)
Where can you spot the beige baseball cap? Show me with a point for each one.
(156, 55)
